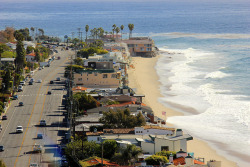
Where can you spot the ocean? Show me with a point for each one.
(204, 69)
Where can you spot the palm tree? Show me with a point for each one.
(122, 27)
(114, 26)
(86, 30)
(128, 155)
(117, 30)
(32, 29)
(131, 27)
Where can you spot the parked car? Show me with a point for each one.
(20, 103)
(51, 82)
(34, 165)
(40, 68)
(15, 97)
(30, 83)
(43, 122)
(58, 58)
(32, 80)
(39, 136)
(1, 148)
(4, 117)
(22, 83)
(1, 127)
(19, 129)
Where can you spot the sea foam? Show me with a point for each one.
(221, 117)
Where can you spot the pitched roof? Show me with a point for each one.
(120, 131)
(97, 160)
(179, 161)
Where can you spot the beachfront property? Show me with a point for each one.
(140, 46)
(106, 78)
(154, 130)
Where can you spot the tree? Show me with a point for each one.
(156, 160)
(127, 155)
(41, 32)
(122, 27)
(86, 30)
(117, 30)
(1, 51)
(20, 53)
(131, 28)
(7, 79)
(166, 153)
(78, 61)
(114, 27)
(85, 101)
(83, 149)
(110, 147)
(121, 119)
(29, 49)
(32, 29)
(2, 164)
(37, 55)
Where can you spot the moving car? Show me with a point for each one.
(58, 79)
(51, 82)
(42, 122)
(39, 81)
(4, 117)
(20, 103)
(19, 129)
(1, 148)
(49, 93)
(39, 136)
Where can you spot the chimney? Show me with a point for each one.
(189, 160)
(171, 158)
(179, 132)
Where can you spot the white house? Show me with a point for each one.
(30, 57)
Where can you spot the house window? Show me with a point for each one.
(113, 76)
(136, 45)
(95, 73)
(166, 148)
(105, 76)
(142, 48)
(149, 49)
(79, 79)
(98, 138)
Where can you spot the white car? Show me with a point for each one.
(39, 81)
(19, 129)
(40, 68)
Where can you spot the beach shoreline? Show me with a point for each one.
(144, 78)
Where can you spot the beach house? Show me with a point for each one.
(140, 46)
(102, 78)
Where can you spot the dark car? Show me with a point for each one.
(49, 93)
(30, 83)
(20, 103)
(39, 136)
(4, 117)
(1, 148)
(15, 97)
(51, 82)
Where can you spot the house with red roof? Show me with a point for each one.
(96, 161)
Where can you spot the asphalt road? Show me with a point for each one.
(37, 105)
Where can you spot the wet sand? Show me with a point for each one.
(144, 78)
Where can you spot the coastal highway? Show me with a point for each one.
(38, 104)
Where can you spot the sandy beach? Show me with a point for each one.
(144, 78)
